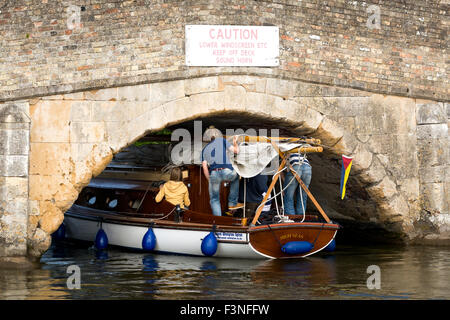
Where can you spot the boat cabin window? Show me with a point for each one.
(112, 204)
(92, 200)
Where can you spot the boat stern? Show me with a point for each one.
(291, 240)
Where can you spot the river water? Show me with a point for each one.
(404, 273)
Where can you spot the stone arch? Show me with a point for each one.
(74, 136)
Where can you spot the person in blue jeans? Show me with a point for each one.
(217, 168)
(301, 165)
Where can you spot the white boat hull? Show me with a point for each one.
(177, 241)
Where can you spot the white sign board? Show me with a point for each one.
(231, 236)
(210, 45)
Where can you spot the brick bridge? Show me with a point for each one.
(80, 81)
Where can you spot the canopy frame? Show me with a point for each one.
(277, 175)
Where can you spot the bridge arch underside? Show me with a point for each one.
(74, 136)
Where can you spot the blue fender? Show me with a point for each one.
(101, 239)
(209, 244)
(297, 247)
(149, 240)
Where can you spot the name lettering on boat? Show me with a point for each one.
(231, 236)
(290, 236)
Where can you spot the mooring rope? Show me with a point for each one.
(165, 215)
(245, 196)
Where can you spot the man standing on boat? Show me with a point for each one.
(291, 186)
(217, 168)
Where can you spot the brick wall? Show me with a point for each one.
(43, 49)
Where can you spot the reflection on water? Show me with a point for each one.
(406, 273)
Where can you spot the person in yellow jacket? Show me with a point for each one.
(174, 190)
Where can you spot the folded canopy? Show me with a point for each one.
(253, 158)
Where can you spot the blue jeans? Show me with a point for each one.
(216, 177)
(304, 171)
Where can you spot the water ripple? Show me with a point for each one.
(406, 273)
